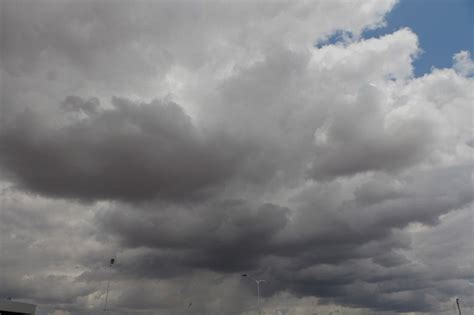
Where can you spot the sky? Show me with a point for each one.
(323, 146)
(443, 27)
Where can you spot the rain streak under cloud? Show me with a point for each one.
(197, 141)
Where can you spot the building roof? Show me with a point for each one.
(17, 307)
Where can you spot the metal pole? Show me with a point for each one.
(258, 292)
(112, 261)
(106, 295)
(258, 296)
(459, 307)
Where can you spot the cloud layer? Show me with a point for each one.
(198, 141)
(130, 152)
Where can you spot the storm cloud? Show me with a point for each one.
(130, 152)
(198, 141)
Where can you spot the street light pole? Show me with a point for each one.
(459, 308)
(112, 261)
(258, 290)
(106, 295)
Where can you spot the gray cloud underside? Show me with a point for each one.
(358, 245)
(198, 141)
(130, 152)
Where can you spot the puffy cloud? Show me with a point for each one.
(225, 236)
(463, 63)
(194, 142)
(129, 152)
(361, 137)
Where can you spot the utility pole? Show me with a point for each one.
(112, 261)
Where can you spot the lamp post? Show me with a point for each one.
(112, 261)
(459, 307)
(258, 289)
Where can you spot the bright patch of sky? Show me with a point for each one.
(444, 28)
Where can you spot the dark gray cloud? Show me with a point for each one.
(76, 104)
(225, 236)
(129, 152)
(327, 248)
(236, 146)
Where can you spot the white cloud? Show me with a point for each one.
(346, 183)
(463, 63)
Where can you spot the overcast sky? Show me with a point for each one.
(195, 141)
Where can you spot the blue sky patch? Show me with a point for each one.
(444, 27)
